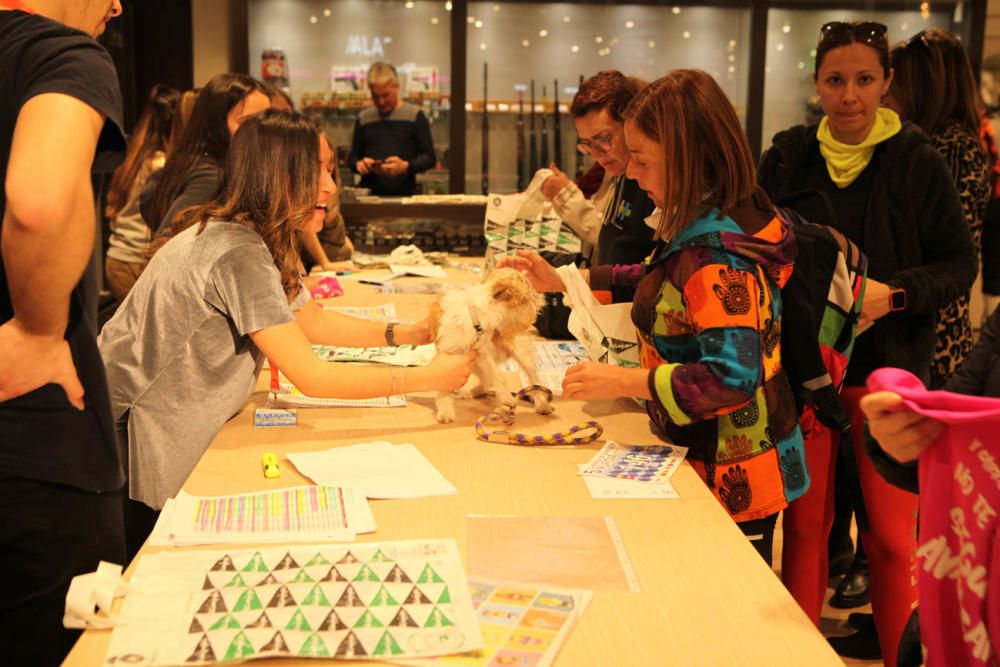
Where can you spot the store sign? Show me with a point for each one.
(362, 45)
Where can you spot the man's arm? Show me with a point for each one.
(424, 158)
(48, 235)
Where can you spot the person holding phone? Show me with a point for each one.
(392, 138)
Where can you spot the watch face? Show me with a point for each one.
(897, 299)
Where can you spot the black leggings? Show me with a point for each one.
(760, 532)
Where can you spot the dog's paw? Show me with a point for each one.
(505, 412)
(543, 407)
(445, 414)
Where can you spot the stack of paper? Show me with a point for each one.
(376, 469)
(289, 396)
(552, 358)
(521, 625)
(633, 471)
(298, 514)
(402, 355)
(383, 313)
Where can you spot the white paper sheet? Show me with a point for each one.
(608, 488)
(421, 270)
(402, 355)
(294, 514)
(645, 464)
(377, 469)
(385, 312)
(289, 396)
(382, 601)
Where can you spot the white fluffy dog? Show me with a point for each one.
(491, 318)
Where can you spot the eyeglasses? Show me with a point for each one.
(598, 145)
(868, 32)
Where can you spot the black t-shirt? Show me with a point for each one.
(42, 436)
(625, 237)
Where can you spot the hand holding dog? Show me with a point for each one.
(540, 274)
(592, 381)
(449, 372)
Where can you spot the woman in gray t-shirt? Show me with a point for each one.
(183, 352)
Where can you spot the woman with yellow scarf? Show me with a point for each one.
(883, 185)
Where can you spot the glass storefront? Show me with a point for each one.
(324, 47)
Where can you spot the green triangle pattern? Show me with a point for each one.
(236, 581)
(382, 598)
(380, 557)
(318, 559)
(239, 648)
(256, 564)
(302, 578)
(445, 597)
(428, 575)
(387, 646)
(248, 600)
(227, 621)
(316, 598)
(368, 620)
(315, 647)
(366, 574)
(437, 619)
(298, 622)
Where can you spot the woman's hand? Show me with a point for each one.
(592, 381)
(448, 372)
(345, 265)
(540, 273)
(876, 304)
(554, 184)
(418, 333)
(902, 434)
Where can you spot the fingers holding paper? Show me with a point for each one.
(540, 274)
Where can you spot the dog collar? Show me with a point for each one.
(475, 324)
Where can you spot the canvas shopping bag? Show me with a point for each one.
(526, 220)
(958, 560)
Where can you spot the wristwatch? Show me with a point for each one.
(897, 299)
(390, 337)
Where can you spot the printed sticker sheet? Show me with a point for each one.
(387, 600)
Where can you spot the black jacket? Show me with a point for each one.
(915, 234)
(979, 375)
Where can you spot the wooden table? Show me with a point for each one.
(707, 597)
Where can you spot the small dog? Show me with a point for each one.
(491, 318)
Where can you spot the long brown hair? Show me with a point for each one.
(933, 82)
(274, 201)
(205, 138)
(151, 136)
(707, 155)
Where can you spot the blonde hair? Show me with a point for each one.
(381, 73)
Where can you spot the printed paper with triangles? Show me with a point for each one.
(360, 601)
(525, 221)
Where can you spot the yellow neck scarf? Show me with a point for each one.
(845, 162)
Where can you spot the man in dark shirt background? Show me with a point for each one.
(60, 470)
(392, 139)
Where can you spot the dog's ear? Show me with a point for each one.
(501, 292)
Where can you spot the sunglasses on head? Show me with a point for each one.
(868, 32)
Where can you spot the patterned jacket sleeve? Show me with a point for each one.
(723, 308)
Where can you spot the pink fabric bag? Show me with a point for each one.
(958, 560)
(326, 288)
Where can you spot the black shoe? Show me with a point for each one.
(862, 645)
(853, 590)
(840, 564)
(860, 620)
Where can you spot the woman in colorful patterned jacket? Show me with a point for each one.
(707, 305)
